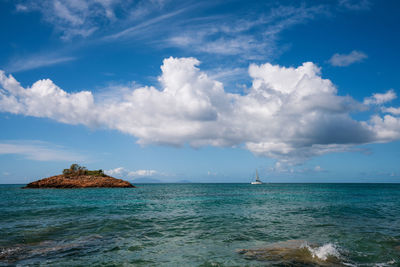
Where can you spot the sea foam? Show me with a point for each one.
(324, 251)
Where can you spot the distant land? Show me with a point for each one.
(80, 177)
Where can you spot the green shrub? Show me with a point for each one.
(96, 173)
(67, 171)
(77, 170)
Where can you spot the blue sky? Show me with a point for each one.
(209, 91)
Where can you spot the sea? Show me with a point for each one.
(202, 225)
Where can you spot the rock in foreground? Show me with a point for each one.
(81, 181)
(295, 253)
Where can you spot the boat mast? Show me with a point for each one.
(257, 178)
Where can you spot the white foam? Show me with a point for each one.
(323, 252)
(389, 263)
(4, 252)
(349, 264)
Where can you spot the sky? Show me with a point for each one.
(201, 91)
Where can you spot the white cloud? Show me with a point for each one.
(85, 17)
(37, 150)
(144, 26)
(250, 37)
(285, 168)
(117, 171)
(47, 100)
(289, 114)
(21, 8)
(392, 110)
(176, 24)
(318, 168)
(27, 63)
(355, 4)
(386, 129)
(343, 60)
(73, 18)
(122, 172)
(378, 99)
(228, 75)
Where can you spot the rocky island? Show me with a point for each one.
(79, 177)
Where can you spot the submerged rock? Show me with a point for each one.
(36, 251)
(295, 253)
(79, 181)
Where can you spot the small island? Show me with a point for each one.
(80, 177)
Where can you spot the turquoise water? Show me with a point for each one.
(199, 224)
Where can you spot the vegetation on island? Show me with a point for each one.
(77, 170)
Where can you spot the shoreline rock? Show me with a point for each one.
(295, 253)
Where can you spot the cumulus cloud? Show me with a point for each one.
(289, 114)
(378, 99)
(343, 60)
(392, 110)
(122, 172)
(45, 99)
(386, 128)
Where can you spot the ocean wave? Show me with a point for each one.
(324, 251)
(9, 253)
(384, 264)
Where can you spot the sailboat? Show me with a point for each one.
(257, 181)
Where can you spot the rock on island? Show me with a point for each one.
(79, 177)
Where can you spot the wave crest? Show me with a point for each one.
(324, 251)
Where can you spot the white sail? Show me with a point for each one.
(258, 181)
